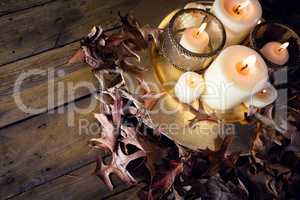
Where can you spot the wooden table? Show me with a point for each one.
(41, 157)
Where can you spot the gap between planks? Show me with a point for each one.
(12, 6)
(61, 22)
(45, 115)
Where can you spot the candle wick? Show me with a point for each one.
(241, 6)
(244, 67)
(237, 10)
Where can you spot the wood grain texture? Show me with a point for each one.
(45, 147)
(10, 6)
(39, 29)
(129, 194)
(77, 185)
(37, 91)
(34, 90)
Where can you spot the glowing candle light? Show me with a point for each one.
(264, 97)
(189, 87)
(276, 52)
(195, 39)
(233, 77)
(238, 17)
(240, 7)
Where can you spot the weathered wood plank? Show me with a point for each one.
(79, 184)
(35, 30)
(45, 147)
(37, 91)
(129, 194)
(10, 6)
(34, 90)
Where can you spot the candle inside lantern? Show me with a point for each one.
(189, 87)
(195, 39)
(238, 17)
(264, 97)
(276, 52)
(232, 78)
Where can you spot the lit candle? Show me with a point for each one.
(195, 39)
(276, 52)
(264, 97)
(234, 75)
(238, 18)
(189, 87)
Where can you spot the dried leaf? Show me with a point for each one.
(163, 184)
(147, 97)
(200, 115)
(77, 57)
(117, 109)
(108, 139)
(117, 166)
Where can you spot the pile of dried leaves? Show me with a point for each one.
(142, 152)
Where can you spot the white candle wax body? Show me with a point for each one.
(194, 40)
(272, 53)
(226, 85)
(264, 97)
(237, 26)
(189, 87)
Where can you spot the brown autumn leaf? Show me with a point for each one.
(218, 159)
(108, 139)
(163, 183)
(117, 166)
(117, 109)
(154, 153)
(200, 115)
(148, 97)
(77, 57)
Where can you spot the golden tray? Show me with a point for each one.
(174, 117)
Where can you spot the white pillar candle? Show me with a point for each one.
(234, 75)
(189, 87)
(276, 52)
(264, 97)
(238, 18)
(195, 39)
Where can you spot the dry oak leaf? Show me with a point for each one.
(162, 185)
(108, 139)
(200, 115)
(117, 109)
(117, 166)
(147, 97)
(77, 57)
(217, 159)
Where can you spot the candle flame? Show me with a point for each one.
(244, 4)
(202, 27)
(249, 61)
(264, 91)
(241, 6)
(259, 21)
(283, 46)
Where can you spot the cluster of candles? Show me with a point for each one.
(238, 74)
